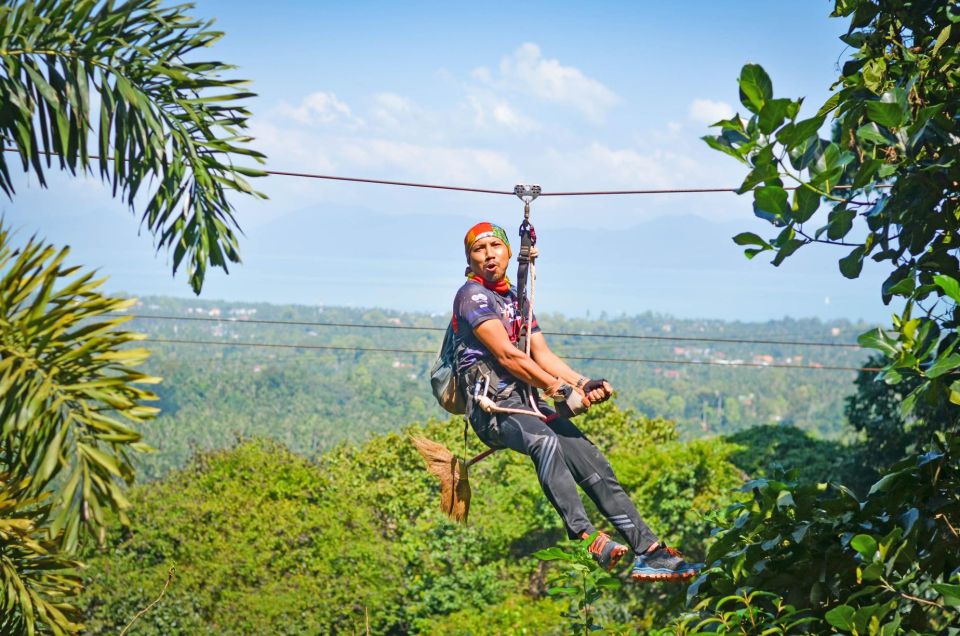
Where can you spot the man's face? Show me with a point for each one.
(489, 259)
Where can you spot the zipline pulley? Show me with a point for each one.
(527, 194)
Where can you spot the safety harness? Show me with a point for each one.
(526, 272)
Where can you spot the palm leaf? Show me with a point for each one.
(164, 124)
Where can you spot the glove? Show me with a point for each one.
(568, 402)
(593, 384)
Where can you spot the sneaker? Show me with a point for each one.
(663, 564)
(606, 551)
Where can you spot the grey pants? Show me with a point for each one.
(565, 458)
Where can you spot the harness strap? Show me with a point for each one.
(528, 238)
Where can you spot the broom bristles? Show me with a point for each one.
(452, 473)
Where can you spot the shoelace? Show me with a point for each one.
(673, 552)
(596, 547)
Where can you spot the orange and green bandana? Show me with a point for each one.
(483, 230)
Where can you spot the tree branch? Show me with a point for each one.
(151, 605)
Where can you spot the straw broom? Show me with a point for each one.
(453, 474)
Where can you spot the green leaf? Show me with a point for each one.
(772, 114)
(785, 499)
(806, 202)
(873, 72)
(865, 545)
(941, 39)
(950, 592)
(870, 133)
(949, 285)
(787, 249)
(841, 617)
(609, 583)
(884, 483)
(772, 199)
(955, 392)
(891, 110)
(852, 263)
(552, 554)
(794, 133)
(755, 87)
(721, 144)
(944, 364)
(831, 104)
(878, 339)
(749, 238)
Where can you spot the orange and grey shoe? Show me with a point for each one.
(606, 551)
(663, 564)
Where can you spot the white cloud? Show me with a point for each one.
(492, 111)
(393, 110)
(708, 111)
(527, 71)
(472, 166)
(321, 109)
(293, 147)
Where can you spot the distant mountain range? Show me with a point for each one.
(685, 266)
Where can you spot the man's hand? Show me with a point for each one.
(597, 391)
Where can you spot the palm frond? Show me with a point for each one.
(165, 128)
(37, 584)
(70, 400)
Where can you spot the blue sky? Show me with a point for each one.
(571, 96)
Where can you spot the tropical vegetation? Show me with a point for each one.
(165, 128)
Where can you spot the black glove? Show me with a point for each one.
(568, 402)
(593, 384)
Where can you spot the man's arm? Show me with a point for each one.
(553, 364)
(517, 363)
(549, 361)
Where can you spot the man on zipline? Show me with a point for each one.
(487, 324)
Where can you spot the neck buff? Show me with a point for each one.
(474, 234)
(502, 286)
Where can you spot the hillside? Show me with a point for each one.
(311, 399)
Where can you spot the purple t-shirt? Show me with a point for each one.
(474, 305)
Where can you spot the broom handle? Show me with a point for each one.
(486, 453)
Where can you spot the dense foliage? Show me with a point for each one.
(268, 542)
(889, 562)
(886, 563)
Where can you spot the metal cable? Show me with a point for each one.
(428, 351)
(548, 333)
(412, 184)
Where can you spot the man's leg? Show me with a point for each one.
(529, 435)
(594, 474)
